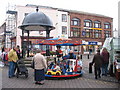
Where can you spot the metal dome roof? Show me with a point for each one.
(36, 21)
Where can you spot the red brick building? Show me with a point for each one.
(91, 28)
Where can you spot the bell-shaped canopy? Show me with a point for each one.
(37, 21)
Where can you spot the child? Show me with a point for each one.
(79, 61)
(57, 67)
(79, 64)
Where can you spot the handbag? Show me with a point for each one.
(32, 64)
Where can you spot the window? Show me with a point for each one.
(64, 18)
(87, 23)
(97, 24)
(75, 22)
(107, 34)
(97, 33)
(64, 30)
(107, 25)
(88, 33)
(75, 48)
(75, 32)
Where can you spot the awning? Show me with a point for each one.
(58, 42)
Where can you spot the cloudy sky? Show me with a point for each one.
(104, 7)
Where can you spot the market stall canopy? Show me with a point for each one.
(58, 42)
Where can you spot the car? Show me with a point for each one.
(52, 72)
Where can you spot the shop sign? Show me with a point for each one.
(92, 43)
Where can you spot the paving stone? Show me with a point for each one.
(85, 81)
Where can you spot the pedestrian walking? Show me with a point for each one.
(40, 65)
(97, 61)
(105, 54)
(12, 59)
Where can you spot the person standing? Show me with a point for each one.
(97, 61)
(70, 55)
(59, 52)
(18, 52)
(12, 59)
(5, 56)
(105, 55)
(40, 65)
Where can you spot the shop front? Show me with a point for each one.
(91, 47)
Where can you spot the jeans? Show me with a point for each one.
(105, 69)
(11, 69)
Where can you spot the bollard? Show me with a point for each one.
(88, 56)
(81, 56)
(54, 59)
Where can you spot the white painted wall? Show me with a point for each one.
(54, 15)
(60, 24)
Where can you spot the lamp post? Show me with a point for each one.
(36, 21)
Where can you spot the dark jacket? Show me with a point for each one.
(70, 56)
(59, 53)
(18, 54)
(105, 56)
(97, 60)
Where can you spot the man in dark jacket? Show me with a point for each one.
(97, 61)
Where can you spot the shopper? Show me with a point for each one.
(12, 59)
(40, 65)
(105, 55)
(97, 61)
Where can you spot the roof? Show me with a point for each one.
(82, 12)
(66, 10)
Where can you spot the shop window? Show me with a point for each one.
(76, 48)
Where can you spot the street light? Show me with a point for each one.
(36, 21)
